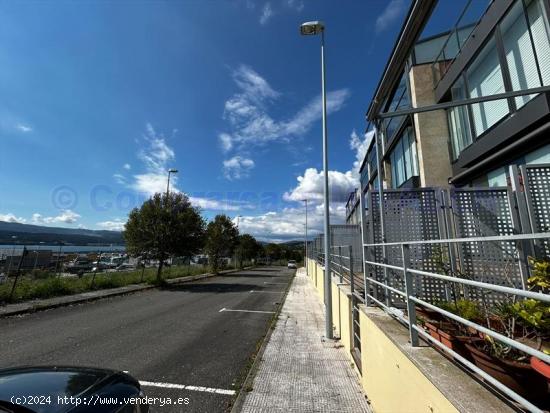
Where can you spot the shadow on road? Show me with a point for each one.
(210, 288)
(255, 275)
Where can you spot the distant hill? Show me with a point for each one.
(33, 234)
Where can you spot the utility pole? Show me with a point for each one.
(305, 240)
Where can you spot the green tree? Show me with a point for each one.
(221, 239)
(165, 225)
(247, 248)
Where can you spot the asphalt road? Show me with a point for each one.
(176, 335)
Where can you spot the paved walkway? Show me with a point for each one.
(300, 371)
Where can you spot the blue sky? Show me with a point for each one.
(99, 98)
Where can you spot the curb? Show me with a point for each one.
(63, 301)
(251, 375)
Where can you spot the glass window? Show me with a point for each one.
(403, 159)
(497, 177)
(520, 55)
(459, 123)
(541, 155)
(485, 79)
(538, 23)
(400, 100)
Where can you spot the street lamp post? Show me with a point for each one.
(305, 240)
(311, 29)
(238, 217)
(170, 171)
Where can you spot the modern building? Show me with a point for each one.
(502, 49)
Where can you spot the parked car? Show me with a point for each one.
(46, 389)
(79, 266)
(126, 267)
(292, 264)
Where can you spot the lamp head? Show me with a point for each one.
(311, 28)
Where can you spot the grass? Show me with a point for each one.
(29, 287)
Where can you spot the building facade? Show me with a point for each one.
(503, 49)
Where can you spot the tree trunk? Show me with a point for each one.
(159, 270)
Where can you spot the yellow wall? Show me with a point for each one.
(336, 318)
(345, 319)
(391, 381)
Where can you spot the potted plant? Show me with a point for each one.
(536, 314)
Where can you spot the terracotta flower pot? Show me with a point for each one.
(448, 335)
(428, 315)
(541, 367)
(515, 375)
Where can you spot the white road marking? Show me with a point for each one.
(270, 292)
(247, 311)
(186, 387)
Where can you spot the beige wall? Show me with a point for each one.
(431, 128)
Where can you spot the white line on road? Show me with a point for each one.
(185, 387)
(271, 292)
(247, 311)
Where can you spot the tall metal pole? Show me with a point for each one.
(328, 290)
(305, 242)
(168, 185)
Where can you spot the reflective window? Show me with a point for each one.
(520, 55)
(538, 24)
(459, 122)
(485, 79)
(404, 159)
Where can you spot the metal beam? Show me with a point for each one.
(463, 102)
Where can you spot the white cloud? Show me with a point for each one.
(251, 124)
(391, 13)
(225, 142)
(65, 217)
(360, 147)
(311, 186)
(23, 128)
(115, 225)
(237, 167)
(120, 179)
(156, 157)
(267, 13)
(297, 5)
(290, 222)
(127, 166)
(9, 217)
(215, 204)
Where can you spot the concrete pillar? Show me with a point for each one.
(432, 131)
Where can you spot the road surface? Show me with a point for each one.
(193, 340)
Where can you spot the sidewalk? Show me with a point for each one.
(299, 370)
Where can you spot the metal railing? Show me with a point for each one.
(411, 300)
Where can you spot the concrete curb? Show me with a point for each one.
(62, 301)
(249, 379)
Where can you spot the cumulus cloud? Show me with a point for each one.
(390, 14)
(267, 13)
(127, 166)
(65, 217)
(247, 113)
(9, 217)
(360, 145)
(115, 225)
(237, 167)
(311, 186)
(289, 223)
(156, 157)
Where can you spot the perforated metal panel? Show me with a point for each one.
(483, 212)
(410, 215)
(538, 188)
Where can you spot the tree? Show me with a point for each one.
(165, 225)
(247, 248)
(221, 239)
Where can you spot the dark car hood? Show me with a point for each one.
(56, 382)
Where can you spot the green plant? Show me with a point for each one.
(533, 313)
(540, 274)
(467, 309)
